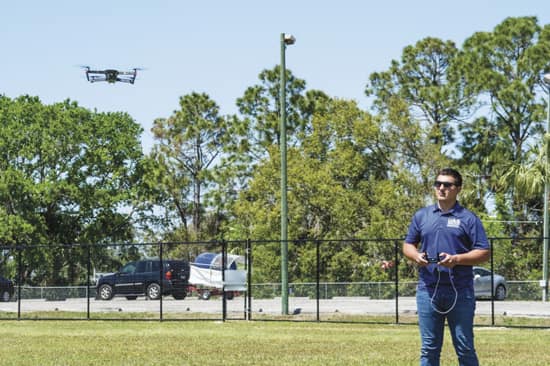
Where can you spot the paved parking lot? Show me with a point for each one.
(344, 305)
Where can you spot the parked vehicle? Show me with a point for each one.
(206, 276)
(205, 293)
(7, 289)
(145, 278)
(482, 284)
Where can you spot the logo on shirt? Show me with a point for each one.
(452, 222)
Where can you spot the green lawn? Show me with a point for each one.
(70, 342)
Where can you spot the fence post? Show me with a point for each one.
(491, 241)
(161, 279)
(19, 278)
(88, 268)
(396, 266)
(318, 275)
(224, 299)
(248, 263)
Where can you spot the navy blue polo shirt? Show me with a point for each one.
(456, 231)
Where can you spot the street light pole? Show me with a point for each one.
(286, 39)
(546, 233)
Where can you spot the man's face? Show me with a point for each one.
(445, 188)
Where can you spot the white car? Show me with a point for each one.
(482, 284)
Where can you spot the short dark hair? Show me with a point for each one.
(453, 173)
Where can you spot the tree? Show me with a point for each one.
(420, 100)
(65, 177)
(339, 187)
(424, 79)
(259, 117)
(189, 144)
(255, 140)
(504, 67)
(260, 108)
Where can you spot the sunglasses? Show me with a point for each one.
(438, 184)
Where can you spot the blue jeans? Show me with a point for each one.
(432, 324)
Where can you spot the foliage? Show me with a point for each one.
(70, 175)
(504, 68)
(188, 146)
(425, 81)
(66, 173)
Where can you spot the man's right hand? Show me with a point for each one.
(421, 259)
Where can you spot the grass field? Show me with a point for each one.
(70, 342)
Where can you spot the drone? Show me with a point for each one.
(111, 76)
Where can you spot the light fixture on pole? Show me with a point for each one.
(286, 39)
(546, 80)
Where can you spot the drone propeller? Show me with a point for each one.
(83, 66)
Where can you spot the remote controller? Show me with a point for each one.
(432, 259)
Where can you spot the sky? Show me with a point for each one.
(219, 47)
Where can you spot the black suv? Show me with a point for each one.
(144, 278)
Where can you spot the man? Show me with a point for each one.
(452, 240)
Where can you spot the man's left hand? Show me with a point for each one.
(449, 260)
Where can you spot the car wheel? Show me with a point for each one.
(500, 293)
(5, 296)
(205, 295)
(153, 291)
(229, 295)
(131, 297)
(106, 292)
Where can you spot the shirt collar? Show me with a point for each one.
(436, 208)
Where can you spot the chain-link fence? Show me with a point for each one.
(336, 280)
